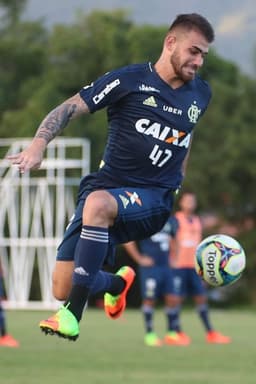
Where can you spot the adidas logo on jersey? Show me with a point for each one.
(150, 101)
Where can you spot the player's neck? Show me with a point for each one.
(169, 76)
(188, 214)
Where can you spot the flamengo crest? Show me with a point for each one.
(193, 113)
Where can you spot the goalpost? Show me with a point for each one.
(34, 210)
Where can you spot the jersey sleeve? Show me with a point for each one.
(106, 90)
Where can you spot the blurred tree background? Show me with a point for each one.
(39, 68)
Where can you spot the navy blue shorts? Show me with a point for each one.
(186, 282)
(141, 213)
(155, 281)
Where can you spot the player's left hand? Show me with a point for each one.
(146, 261)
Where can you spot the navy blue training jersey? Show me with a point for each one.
(158, 245)
(150, 125)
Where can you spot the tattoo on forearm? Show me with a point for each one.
(56, 121)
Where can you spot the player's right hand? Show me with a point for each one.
(30, 158)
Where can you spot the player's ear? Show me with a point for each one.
(170, 41)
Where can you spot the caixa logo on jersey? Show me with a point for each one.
(97, 98)
(163, 133)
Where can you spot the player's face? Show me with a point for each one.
(188, 55)
(188, 202)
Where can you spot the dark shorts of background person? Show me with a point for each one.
(155, 282)
(186, 282)
(141, 213)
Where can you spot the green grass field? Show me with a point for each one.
(112, 352)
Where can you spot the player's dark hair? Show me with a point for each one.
(194, 21)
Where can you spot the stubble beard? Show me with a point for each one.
(178, 68)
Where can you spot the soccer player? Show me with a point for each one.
(155, 275)
(152, 109)
(186, 282)
(6, 340)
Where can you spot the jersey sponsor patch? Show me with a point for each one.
(148, 88)
(97, 98)
(163, 133)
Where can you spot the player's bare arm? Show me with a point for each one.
(51, 126)
(55, 122)
(134, 253)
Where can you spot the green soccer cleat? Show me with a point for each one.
(152, 340)
(63, 324)
(115, 305)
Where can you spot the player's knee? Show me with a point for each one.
(100, 209)
(59, 291)
(173, 300)
(62, 280)
(200, 299)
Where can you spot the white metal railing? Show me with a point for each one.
(34, 211)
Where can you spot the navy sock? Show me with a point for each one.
(148, 313)
(90, 253)
(203, 312)
(77, 300)
(173, 318)
(108, 282)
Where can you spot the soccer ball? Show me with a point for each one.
(219, 260)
